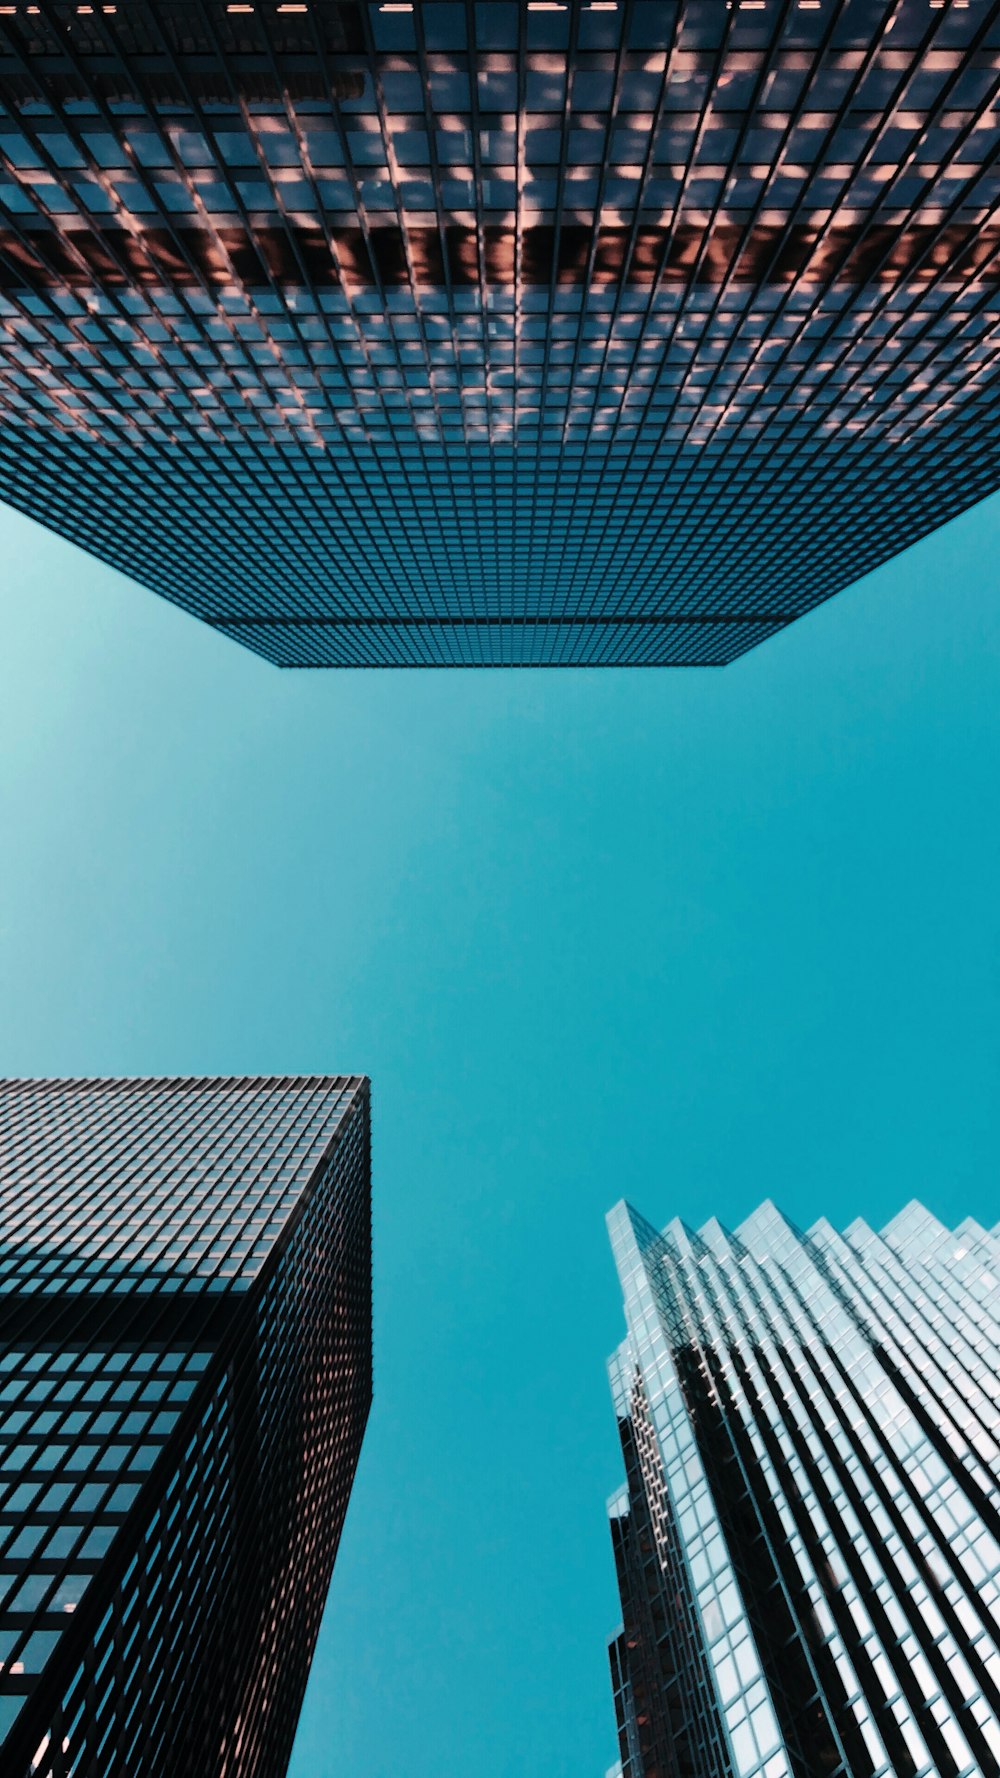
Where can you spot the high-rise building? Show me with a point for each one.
(483, 332)
(185, 1376)
(808, 1539)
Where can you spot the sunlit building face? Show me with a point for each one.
(808, 1540)
(447, 333)
(185, 1376)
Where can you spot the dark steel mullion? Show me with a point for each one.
(180, 428)
(840, 116)
(95, 1603)
(198, 1120)
(138, 234)
(309, 509)
(194, 1119)
(939, 1667)
(879, 1706)
(362, 340)
(277, 433)
(474, 57)
(557, 224)
(740, 453)
(395, 182)
(306, 163)
(889, 287)
(626, 19)
(604, 448)
(774, 414)
(627, 460)
(767, 60)
(40, 417)
(69, 1324)
(112, 396)
(618, 62)
(752, 368)
(658, 112)
(76, 530)
(943, 1546)
(797, 1410)
(342, 440)
(110, 1178)
(785, 1388)
(939, 106)
(628, 620)
(773, 1533)
(443, 488)
(521, 594)
(719, 58)
(945, 1391)
(73, 421)
(702, 1339)
(877, 1316)
(965, 1348)
(686, 175)
(810, 1403)
(572, 52)
(244, 1204)
(477, 157)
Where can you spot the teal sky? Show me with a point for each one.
(692, 937)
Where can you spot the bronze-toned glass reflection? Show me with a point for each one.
(487, 334)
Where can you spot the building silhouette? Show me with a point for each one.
(808, 1538)
(508, 332)
(185, 1376)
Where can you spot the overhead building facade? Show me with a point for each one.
(185, 1376)
(808, 1539)
(499, 332)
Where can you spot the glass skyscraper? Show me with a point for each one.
(498, 331)
(185, 1376)
(808, 1539)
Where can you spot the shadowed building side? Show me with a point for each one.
(185, 1377)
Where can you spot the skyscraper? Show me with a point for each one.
(517, 331)
(808, 1540)
(185, 1375)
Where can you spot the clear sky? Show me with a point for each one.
(694, 937)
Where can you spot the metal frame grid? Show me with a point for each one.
(490, 332)
(665, 1706)
(811, 1424)
(185, 1375)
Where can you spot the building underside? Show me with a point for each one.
(498, 334)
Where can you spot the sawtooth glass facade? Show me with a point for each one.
(808, 1538)
(498, 331)
(185, 1376)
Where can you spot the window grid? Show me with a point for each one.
(808, 1538)
(480, 335)
(185, 1374)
